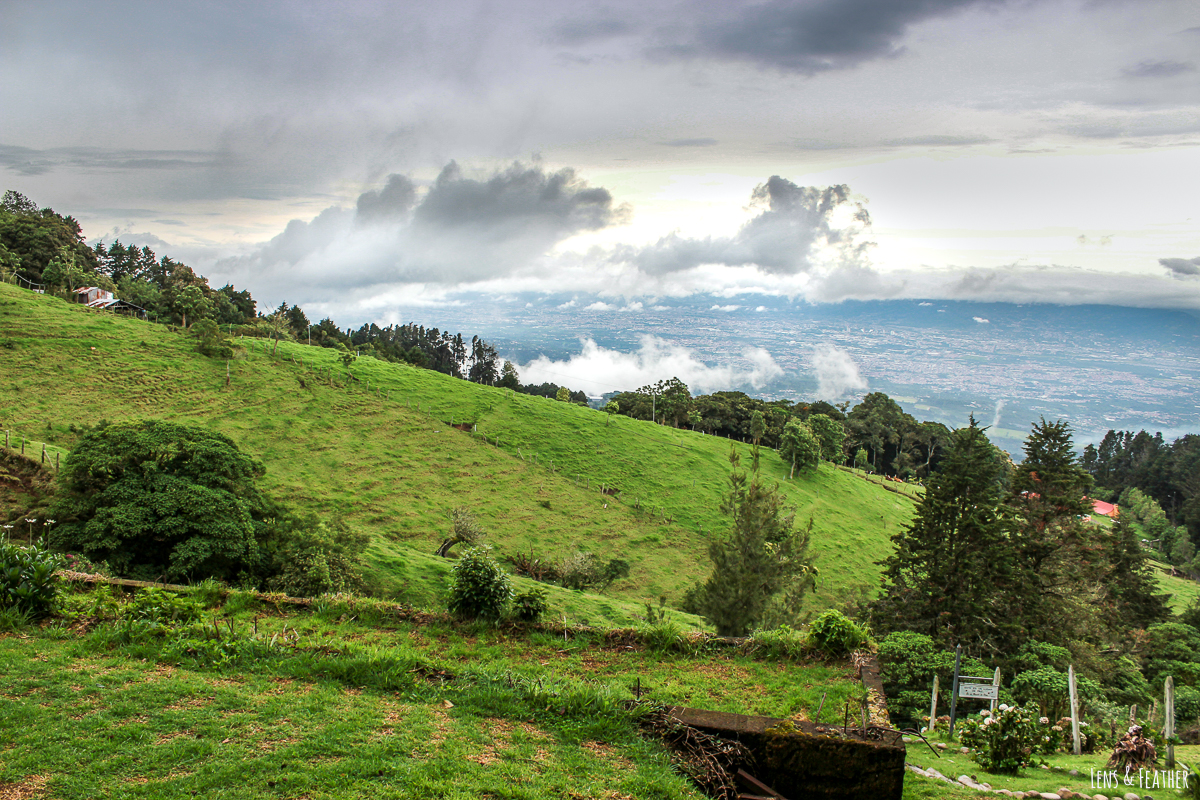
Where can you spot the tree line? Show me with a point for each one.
(878, 434)
(43, 248)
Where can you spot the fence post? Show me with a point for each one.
(1074, 710)
(1169, 719)
(996, 683)
(954, 688)
(43, 452)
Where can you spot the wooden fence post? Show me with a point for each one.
(933, 705)
(1168, 728)
(1074, 710)
(43, 452)
(996, 683)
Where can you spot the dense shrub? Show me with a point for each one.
(908, 663)
(1187, 706)
(585, 571)
(835, 634)
(306, 556)
(1003, 742)
(1048, 689)
(530, 605)
(480, 587)
(27, 581)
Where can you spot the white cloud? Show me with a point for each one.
(837, 373)
(597, 370)
(568, 304)
(599, 305)
(726, 309)
(980, 320)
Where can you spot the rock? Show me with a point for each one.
(1131, 796)
(941, 745)
(906, 738)
(1049, 796)
(1004, 792)
(964, 750)
(1099, 797)
(1074, 773)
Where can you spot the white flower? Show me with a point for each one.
(1005, 707)
(1044, 721)
(985, 713)
(1057, 728)
(989, 721)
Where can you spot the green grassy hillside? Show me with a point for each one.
(379, 449)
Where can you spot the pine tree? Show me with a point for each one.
(1131, 590)
(948, 576)
(761, 567)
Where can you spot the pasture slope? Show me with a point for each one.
(374, 443)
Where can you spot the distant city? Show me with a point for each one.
(1099, 367)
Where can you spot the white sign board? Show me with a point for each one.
(978, 691)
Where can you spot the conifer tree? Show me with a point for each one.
(761, 566)
(948, 575)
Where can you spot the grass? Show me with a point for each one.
(356, 703)
(1055, 775)
(387, 459)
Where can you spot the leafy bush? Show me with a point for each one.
(163, 607)
(158, 499)
(1187, 706)
(28, 585)
(584, 571)
(1002, 743)
(530, 605)
(835, 634)
(310, 556)
(480, 587)
(908, 662)
(1048, 689)
(781, 642)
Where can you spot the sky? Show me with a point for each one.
(357, 157)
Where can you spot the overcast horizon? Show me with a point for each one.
(359, 159)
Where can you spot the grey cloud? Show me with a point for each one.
(28, 161)
(784, 238)
(393, 201)
(582, 31)
(690, 143)
(1182, 267)
(818, 35)
(460, 230)
(938, 140)
(522, 196)
(1158, 69)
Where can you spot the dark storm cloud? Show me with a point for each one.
(1158, 69)
(814, 36)
(1182, 267)
(393, 201)
(784, 238)
(518, 197)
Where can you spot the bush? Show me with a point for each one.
(530, 605)
(1187, 706)
(908, 663)
(1048, 689)
(1003, 743)
(584, 571)
(480, 588)
(28, 585)
(835, 634)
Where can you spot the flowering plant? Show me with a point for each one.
(1003, 742)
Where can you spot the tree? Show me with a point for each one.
(465, 529)
(159, 499)
(947, 576)
(191, 301)
(758, 427)
(761, 567)
(610, 408)
(510, 378)
(1129, 587)
(799, 447)
(830, 434)
(563, 395)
